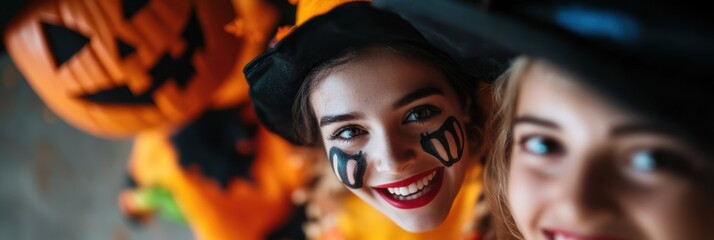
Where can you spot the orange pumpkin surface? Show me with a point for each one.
(115, 67)
(307, 9)
(245, 209)
(255, 22)
(217, 205)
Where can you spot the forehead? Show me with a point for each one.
(547, 91)
(379, 78)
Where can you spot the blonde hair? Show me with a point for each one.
(501, 138)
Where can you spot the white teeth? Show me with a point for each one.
(413, 196)
(404, 191)
(561, 237)
(412, 188)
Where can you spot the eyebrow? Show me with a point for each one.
(637, 128)
(330, 119)
(416, 95)
(623, 129)
(528, 119)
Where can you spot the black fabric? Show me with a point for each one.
(209, 143)
(291, 229)
(652, 57)
(276, 75)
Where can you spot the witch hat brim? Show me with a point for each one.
(647, 57)
(276, 75)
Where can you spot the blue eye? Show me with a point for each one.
(541, 146)
(643, 161)
(421, 113)
(347, 133)
(659, 160)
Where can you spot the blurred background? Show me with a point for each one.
(57, 182)
(130, 119)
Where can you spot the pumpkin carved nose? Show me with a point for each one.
(124, 49)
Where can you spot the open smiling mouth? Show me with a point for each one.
(413, 192)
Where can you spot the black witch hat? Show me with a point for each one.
(652, 57)
(276, 75)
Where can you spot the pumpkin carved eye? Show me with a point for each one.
(117, 67)
(130, 8)
(167, 68)
(63, 43)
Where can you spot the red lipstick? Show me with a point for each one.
(413, 192)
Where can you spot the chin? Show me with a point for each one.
(430, 216)
(417, 224)
(419, 211)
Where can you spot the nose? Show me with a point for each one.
(392, 152)
(587, 191)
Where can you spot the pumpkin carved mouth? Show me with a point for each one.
(180, 70)
(117, 67)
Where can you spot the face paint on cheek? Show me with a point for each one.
(348, 168)
(446, 143)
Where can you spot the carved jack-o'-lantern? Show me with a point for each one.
(115, 67)
(230, 178)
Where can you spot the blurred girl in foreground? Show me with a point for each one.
(570, 163)
(603, 130)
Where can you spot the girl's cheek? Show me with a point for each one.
(348, 168)
(447, 143)
(525, 192)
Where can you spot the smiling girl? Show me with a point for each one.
(393, 129)
(603, 128)
(578, 166)
(397, 118)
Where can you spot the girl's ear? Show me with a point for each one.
(486, 98)
(466, 111)
(478, 110)
(479, 105)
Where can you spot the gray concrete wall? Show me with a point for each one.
(57, 182)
